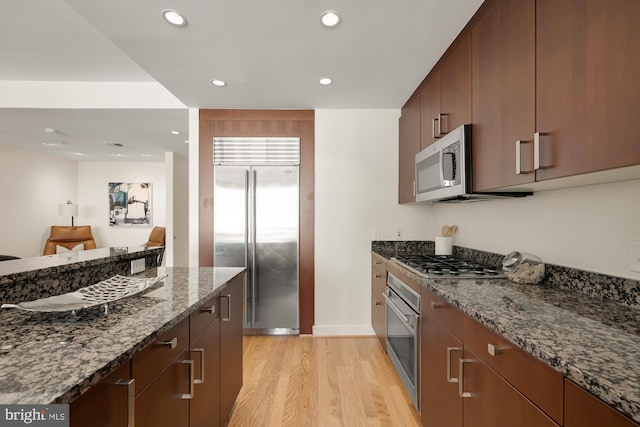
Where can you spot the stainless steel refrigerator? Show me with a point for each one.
(256, 222)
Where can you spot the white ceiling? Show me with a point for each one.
(270, 53)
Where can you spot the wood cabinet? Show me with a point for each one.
(204, 347)
(555, 91)
(409, 146)
(440, 404)
(462, 383)
(231, 316)
(588, 85)
(445, 94)
(582, 409)
(110, 403)
(378, 302)
(503, 93)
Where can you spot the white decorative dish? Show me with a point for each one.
(100, 294)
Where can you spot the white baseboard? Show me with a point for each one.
(342, 330)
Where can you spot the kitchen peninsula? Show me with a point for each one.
(59, 357)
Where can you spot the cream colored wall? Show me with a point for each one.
(356, 185)
(587, 227)
(93, 179)
(33, 185)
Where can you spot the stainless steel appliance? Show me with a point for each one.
(443, 171)
(443, 266)
(403, 333)
(256, 221)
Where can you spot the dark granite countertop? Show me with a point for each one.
(593, 342)
(18, 268)
(53, 357)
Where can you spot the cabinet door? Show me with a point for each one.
(231, 315)
(205, 352)
(503, 100)
(584, 410)
(494, 402)
(440, 404)
(455, 79)
(430, 108)
(378, 317)
(409, 146)
(163, 401)
(588, 85)
(108, 403)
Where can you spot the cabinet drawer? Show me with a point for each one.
(541, 384)
(582, 409)
(446, 314)
(200, 319)
(379, 263)
(378, 317)
(150, 361)
(378, 282)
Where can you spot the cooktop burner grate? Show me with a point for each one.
(446, 266)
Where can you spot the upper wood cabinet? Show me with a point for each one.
(555, 89)
(409, 146)
(503, 93)
(445, 95)
(588, 85)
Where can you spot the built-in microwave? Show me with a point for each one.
(443, 171)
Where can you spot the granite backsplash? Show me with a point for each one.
(609, 288)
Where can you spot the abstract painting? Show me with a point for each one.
(130, 204)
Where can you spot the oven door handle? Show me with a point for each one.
(396, 310)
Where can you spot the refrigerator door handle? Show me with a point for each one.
(247, 192)
(254, 272)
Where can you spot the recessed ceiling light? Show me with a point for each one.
(147, 155)
(219, 83)
(54, 144)
(186, 141)
(325, 81)
(79, 154)
(115, 144)
(174, 17)
(175, 132)
(49, 130)
(117, 155)
(330, 19)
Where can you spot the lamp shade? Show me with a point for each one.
(67, 209)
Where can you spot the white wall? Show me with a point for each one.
(93, 179)
(177, 210)
(356, 186)
(33, 185)
(587, 227)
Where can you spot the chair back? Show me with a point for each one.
(157, 237)
(69, 237)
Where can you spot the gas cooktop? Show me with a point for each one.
(440, 266)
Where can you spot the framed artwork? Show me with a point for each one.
(130, 204)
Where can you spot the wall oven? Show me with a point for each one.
(403, 333)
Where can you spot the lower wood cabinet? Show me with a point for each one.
(108, 403)
(378, 302)
(582, 409)
(205, 351)
(231, 329)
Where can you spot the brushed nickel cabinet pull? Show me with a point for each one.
(440, 124)
(131, 408)
(536, 151)
(449, 351)
(211, 309)
(378, 275)
(493, 349)
(433, 128)
(519, 169)
(435, 305)
(461, 392)
(170, 344)
(227, 317)
(201, 379)
(191, 380)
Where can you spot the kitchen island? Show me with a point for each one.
(55, 357)
(592, 342)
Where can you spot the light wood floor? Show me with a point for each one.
(320, 381)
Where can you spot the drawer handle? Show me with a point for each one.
(378, 275)
(201, 379)
(170, 344)
(227, 317)
(449, 351)
(131, 408)
(435, 305)
(493, 349)
(378, 302)
(211, 309)
(191, 380)
(461, 391)
(519, 169)
(377, 262)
